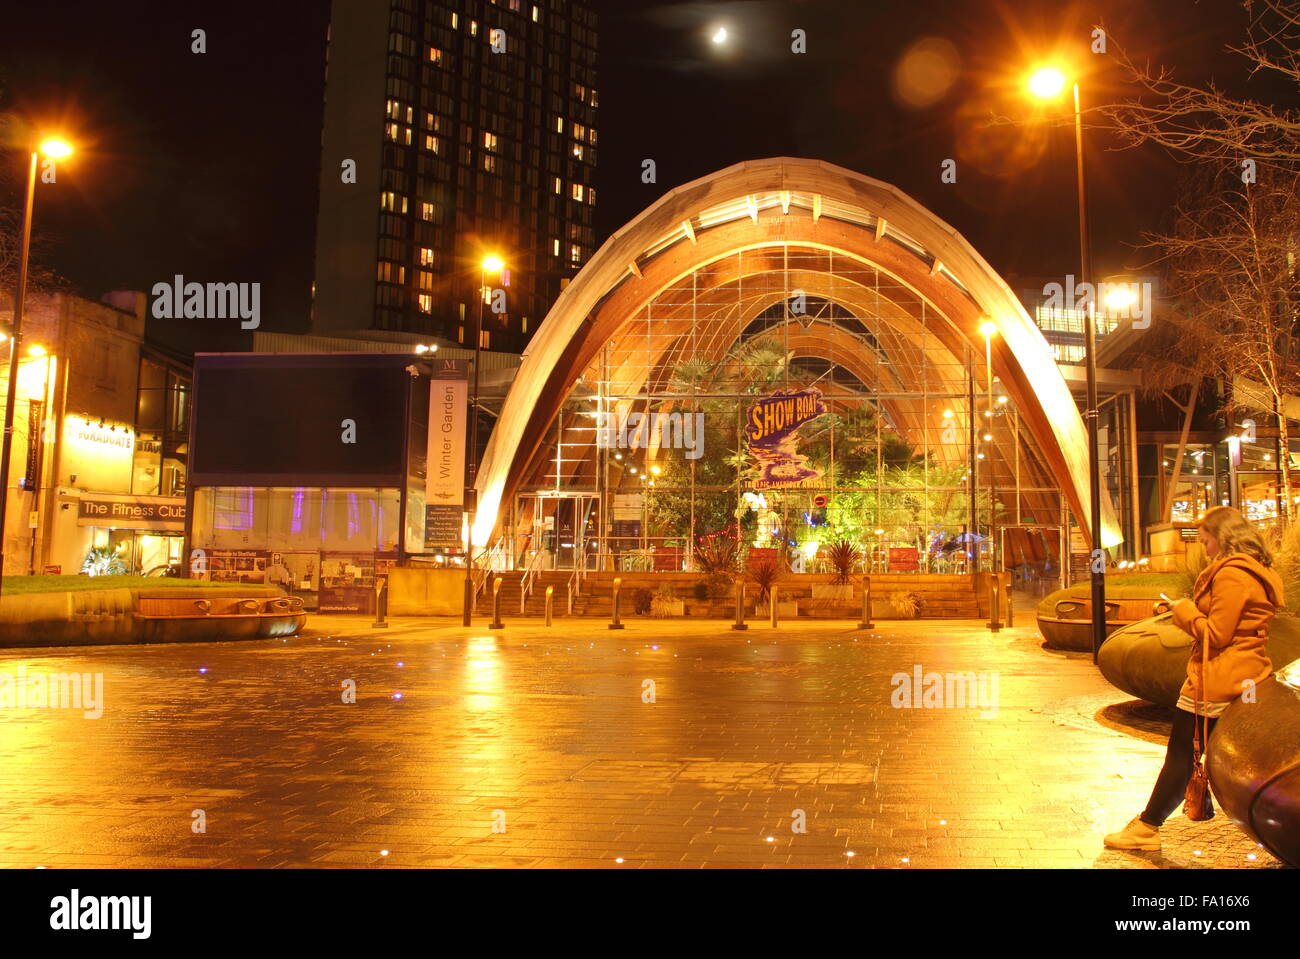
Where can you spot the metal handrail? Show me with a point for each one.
(526, 581)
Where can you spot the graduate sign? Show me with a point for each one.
(771, 426)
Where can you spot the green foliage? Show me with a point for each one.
(906, 603)
(641, 600)
(102, 561)
(717, 555)
(843, 556)
(764, 574)
(718, 585)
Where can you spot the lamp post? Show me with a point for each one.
(490, 264)
(54, 149)
(1048, 83)
(988, 328)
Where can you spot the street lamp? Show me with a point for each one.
(490, 264)
(988, 328)
(55, 149)
(1047, 83)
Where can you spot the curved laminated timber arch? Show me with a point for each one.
(741, 240)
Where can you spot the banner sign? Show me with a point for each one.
(771, 426)
(444, 486)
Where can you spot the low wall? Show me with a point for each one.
(91, 617)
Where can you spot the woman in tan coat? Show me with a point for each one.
(1234, 600)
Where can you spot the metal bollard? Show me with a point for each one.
(381, 603)
(772, 598)
(496, 605)
(1010, 613)
(866, 622)
(994, 625)
(618, 586)
(740, 607)
(550, 597)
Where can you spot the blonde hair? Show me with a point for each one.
(1235, 535)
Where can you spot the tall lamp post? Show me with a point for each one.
(988, 328)
(1047, 84)
(493, 265)
(55, 150)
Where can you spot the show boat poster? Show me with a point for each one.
(771, 426)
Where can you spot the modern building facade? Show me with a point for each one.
(100, 455)
(786, 354)
(454, 129)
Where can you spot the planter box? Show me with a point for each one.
(830, 591)
(663, 608)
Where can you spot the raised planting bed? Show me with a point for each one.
(147, 610)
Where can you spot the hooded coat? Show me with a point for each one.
(1234, 600)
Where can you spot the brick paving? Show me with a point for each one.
(544, 735)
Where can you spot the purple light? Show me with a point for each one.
(297, 510)
(354, 522)
(397, 695)
(203, 669)
(400, 663)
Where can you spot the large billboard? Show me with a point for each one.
(300, 420)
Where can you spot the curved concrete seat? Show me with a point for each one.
(1148, 659)
(1065, 616)
(1254, 764)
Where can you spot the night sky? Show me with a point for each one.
(207, 165)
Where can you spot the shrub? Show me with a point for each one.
(764, 575)
(716, 555)
(641, 600)
(718, 585)
(102, 561)
(906, 603)
(843, 556)
(700, 590)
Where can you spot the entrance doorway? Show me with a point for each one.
(557, 531)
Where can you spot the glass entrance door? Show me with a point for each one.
(558, 531)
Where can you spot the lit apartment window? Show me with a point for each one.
(593, 102)
(485, 339)
(591, 136)
(398, 133)
(575, 253)
(489, 163)
(555, 248)
(577, 151)
(435, 55)
(577, 191)
(473, 28)
(455, 21)
(579, 131)
(426, 303)
(559, 124)
(431, 143)
(425, 279)
(392, 202)
(460, 334)
(591, 195)
(426, 211)
(536, 14)
(426, 256)
(431, 121)
(490, 141)
(391, 272)
(557, 185)
(524, 325)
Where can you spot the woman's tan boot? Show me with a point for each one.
(1136, 835)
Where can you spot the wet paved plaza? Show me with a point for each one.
(536, 747)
